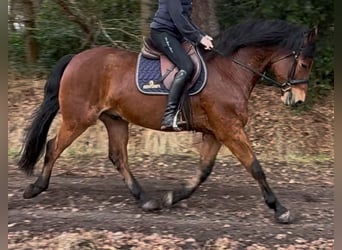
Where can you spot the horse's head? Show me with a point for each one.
(292, 69)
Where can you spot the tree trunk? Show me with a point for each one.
(11, 15)
(145, 17)
(31, 46)
(203, 15)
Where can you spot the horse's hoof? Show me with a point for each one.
(284, 218)
(168, 199)
(151, 205)
(32, 191)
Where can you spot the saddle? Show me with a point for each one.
(155, 74)
(167, 68)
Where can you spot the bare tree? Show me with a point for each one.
(31, 46)
(203, 14)
(86, 24)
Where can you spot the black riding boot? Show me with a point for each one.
(175, 94)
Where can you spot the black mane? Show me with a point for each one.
(261, 33)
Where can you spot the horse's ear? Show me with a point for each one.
(312, 34)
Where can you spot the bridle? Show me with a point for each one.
(285, 86)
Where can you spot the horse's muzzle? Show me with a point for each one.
(289, 99)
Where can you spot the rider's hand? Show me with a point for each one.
(206, 41)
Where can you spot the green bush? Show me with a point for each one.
(16, 51)
(57, 36)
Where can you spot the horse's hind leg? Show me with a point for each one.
(209, 149)
(54, 147)
(118, 139)
(237, 141)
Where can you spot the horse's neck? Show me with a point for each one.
(249, 60)
(255, 58)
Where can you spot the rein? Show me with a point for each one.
(285, 86)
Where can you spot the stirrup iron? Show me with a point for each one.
(175, 123)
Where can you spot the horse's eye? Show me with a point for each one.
(304, 66)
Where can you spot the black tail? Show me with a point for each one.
(43, 116)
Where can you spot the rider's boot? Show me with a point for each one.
(175, 94)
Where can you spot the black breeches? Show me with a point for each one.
(172, 48)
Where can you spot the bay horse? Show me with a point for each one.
(99, 83)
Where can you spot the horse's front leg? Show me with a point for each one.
(209, 149)
(118, 139)
(237, 141)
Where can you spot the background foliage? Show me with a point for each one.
(310, 13)
(87, 23)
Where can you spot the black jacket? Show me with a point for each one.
(174, 16)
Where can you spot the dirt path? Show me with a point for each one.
(87, 205)
(227, 212)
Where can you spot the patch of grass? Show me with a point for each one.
(309, 158)
(13, 153)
